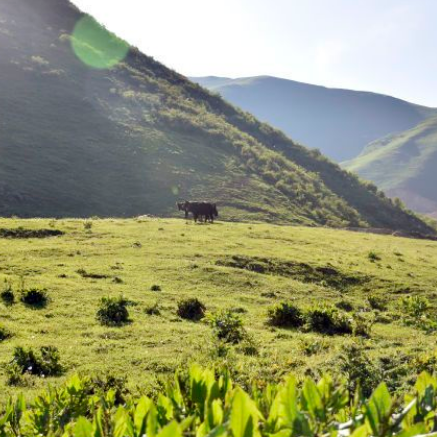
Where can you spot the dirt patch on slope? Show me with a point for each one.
(324, 275)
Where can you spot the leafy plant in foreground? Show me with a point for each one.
(206, 403)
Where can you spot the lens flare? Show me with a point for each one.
(95, 46)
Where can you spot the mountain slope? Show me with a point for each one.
(338, 122)
(134, 137)
(404, 165)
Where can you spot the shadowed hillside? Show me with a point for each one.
(404, 165)
(338, 122)
(132, 138)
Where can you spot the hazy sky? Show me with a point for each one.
(387, 46)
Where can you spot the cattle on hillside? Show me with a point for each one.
(202, 211)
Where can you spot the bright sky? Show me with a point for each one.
(386, 46)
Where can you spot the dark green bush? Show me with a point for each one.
(313, 347)
(7, 295)
(155, 288)
(113, 311)
(4, 333)
(191, 309)
(228, 326)
(359, 370)
(329, 320)
(153, 310)
(34, 297)
(377, 302)
(44, 363)
(363, 325)
(345, 305)
(286, 315)
(373, 256)
(249, 346)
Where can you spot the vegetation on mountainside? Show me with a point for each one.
(147, 136)
(207, 402)
(140, 298)
(404, 165)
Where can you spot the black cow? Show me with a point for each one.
(202, 211)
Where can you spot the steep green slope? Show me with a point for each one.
(134, 138)
(338, 122)
(404, 165)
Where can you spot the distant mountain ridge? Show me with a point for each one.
(133, 138)
(404, 165)
(339, 122)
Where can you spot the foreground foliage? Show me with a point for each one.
(207, 403)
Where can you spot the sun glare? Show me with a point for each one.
(95, 46)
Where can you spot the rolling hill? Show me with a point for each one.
(404, 165)
(90, 126)
(338, 122)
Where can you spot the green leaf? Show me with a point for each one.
(362, 431)
(244, 415)
(413, 431)
(140, 416)
(378, 409)
(313, 400)
(171, 430)
(123, 424)
(83, 428)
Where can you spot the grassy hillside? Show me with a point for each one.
(338, 122)
(245, 268)
(404, 166)
(135, 137)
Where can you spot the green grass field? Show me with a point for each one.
(205, 261)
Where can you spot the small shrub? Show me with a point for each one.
(228, 326)
(359, 370)
(101, 384)
(4, 333)
(88, 225)
(329, 320)
(373, 256)
(153, 310)
(345, 305)
(191, 309)
(34, 297)
(363, 325)
(313, 347)
(286, 315)
(415, 306)
(377, 303)
(113, 311)
(7, 295)
(249, 346)
(26, 361)
(155, 288)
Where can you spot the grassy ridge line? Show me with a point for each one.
(403, 165)
(205, 403)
